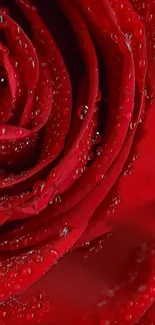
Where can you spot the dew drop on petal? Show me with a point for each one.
(1, 19)
(2, 79)
(132, 125)
(97, 138)
(30, 316)
(17, 287)
(1, 296)
(5, 10)
(40, 296)
(18, 132)
(128, 116)
(3, 131)
(57, 199)
(3, 314)
(38, 187)
(91, 156)
(82, 111)
(5, 149)
(128, 317)
(64, 232)
(39, 259)
(142, 63)
(99, 150)
(26, 272)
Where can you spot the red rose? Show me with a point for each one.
(77, 159)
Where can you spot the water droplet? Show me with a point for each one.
(26, 272)
(82, 111)
(64, 232)
(87, 243)
(91, 156)
(17, 287)
(30, 316)
(99, 150)
(2, 79)
(1, 19)
(57, 199)
(3, 313)
(18, 132)
(16, 64)
(128, 317)
(97, 138)
(5, 149)
(128, 116)
(41, 296)
(39, 259)
(145, 296)
(132, 125)
(142, 63)
(83, 169)
(5, 10)
(33, 63)
(3, 130)
(38, 187)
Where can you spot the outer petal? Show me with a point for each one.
(82, 288)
